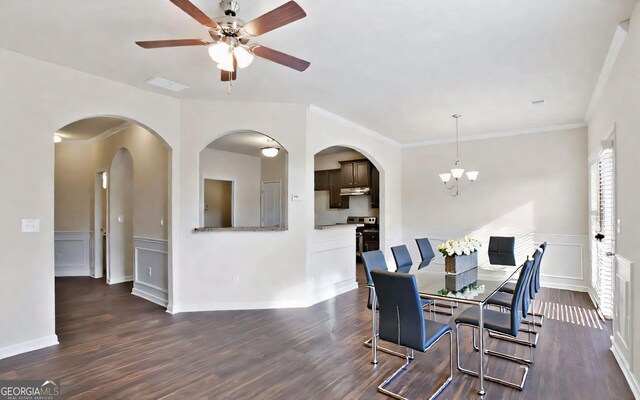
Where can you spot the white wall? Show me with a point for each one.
(245, 173)
(620, 106)
(223, 270)
(38, 98)
(530, 186)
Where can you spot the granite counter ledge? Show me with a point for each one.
(241, 229)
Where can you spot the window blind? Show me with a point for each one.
(602, 214)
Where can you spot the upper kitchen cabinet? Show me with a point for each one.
(375, 187)
(355, 173)
(335, 199)
(321, 180)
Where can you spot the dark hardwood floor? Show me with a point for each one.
(115, 345)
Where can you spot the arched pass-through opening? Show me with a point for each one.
(112, 205)
(347, 190)
(243, 183)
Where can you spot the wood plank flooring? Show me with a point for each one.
(115, 345)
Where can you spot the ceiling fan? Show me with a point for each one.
(230, 36)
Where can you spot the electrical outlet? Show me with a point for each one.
(30, 225)
(149, 271)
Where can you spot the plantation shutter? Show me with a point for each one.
(603, 223)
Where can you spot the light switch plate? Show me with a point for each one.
(30, 225)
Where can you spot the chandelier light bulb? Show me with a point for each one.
(445, 177)
(472, 175)
(457, 172)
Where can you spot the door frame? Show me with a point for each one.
(262, 183)
(100, 251)
(233, 197)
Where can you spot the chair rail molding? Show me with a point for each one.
(72, 253)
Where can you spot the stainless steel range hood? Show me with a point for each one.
(360, 191)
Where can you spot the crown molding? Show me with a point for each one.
(350, 124)
(493, 135)
(612, 55)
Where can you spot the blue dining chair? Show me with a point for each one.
(504, 323)
(402, 258)
(501, 250)
(402, 322)
(426, 251)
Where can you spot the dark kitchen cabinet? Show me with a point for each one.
(321, 180)
(335, 184)
(375, 187)
(355, 173)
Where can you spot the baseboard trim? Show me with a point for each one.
(28, 346)
(563, 286)
(631, 380)
(71, 270)
(254, 305)
(148, 296)
(115, 281)
(332, 291)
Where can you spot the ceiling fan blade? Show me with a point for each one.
(195, 13)
(226, 76)
(281, 16)
(280, 58)
(155, 44)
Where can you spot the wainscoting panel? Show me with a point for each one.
(622, 323)
(332, 264)
(72, 253)
(151, 270)
(562, 266)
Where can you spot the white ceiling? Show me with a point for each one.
(245, 142)
(89, 128)
(397, 67)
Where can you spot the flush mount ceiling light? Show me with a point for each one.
(457, 171)
(270, 151)
(229, 37)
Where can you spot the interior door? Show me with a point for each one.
(270, 204)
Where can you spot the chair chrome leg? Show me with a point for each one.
(381, 388)
(518, 386)
(531, 343)
(385, 350)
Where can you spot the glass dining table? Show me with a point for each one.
(473, 287)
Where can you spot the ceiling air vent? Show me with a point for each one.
(167, 84)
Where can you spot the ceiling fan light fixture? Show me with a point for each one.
(220, 52)
(244, 56)
(227, 65)
(270, 151)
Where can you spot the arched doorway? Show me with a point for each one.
(112, 176)
(347, 190)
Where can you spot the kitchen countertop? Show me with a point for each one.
(332, 226)
(241, 229)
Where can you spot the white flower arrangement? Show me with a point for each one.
(465, 246)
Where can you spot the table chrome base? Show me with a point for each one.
(381, 388)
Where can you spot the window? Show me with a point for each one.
(603, 230)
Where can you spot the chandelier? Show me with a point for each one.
(457, 171)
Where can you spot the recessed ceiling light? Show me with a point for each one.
(167, 84)
(537, 102)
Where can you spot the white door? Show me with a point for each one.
(270, 204)
(120, 240)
